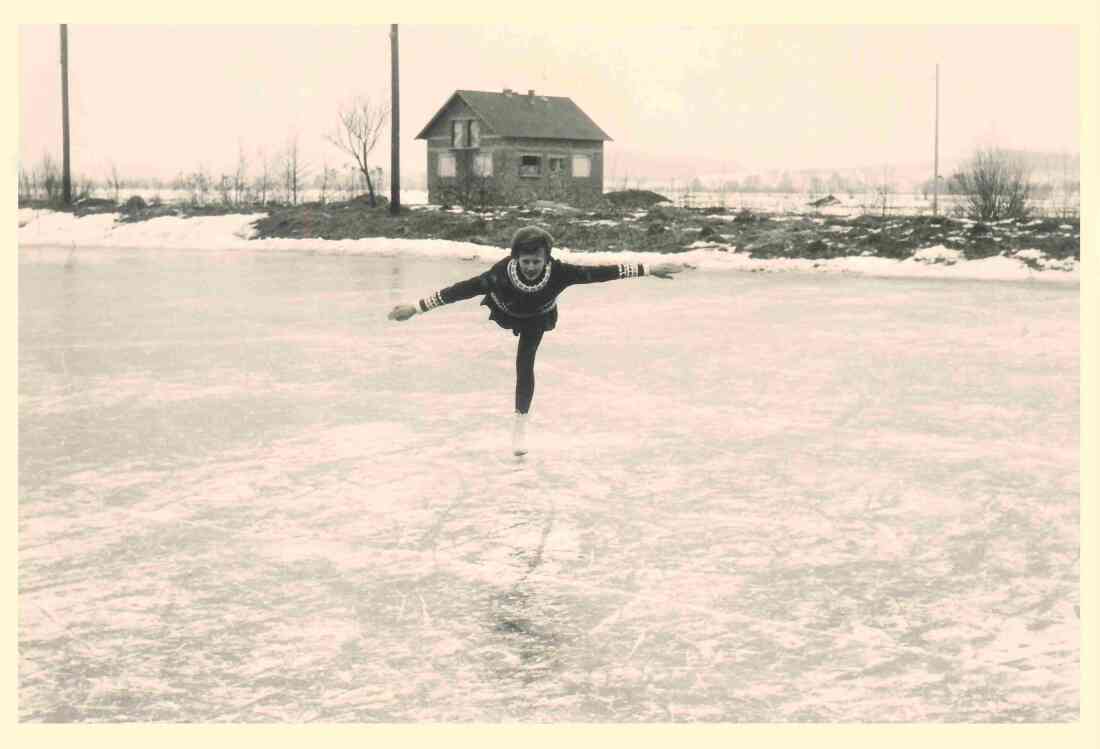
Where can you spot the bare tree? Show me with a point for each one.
(115, 181)
(26, 185)
(293, 170)
(361, 124)
(883, 191)
(51, 177)
(240, 175)
(198, 183)
(83, 187)
(995, 185)
(263, 179)
(225, 189)
(327, 180)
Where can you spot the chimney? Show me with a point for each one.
(508, 91)
(530, 92)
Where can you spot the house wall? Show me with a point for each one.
(548, 186)
(506, 185)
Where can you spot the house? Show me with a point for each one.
(488, 147)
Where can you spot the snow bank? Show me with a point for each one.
(237, 232)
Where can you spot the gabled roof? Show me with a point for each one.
(517, 115)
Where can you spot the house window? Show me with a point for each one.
(530, 166)
(582, 166)
(465, 134)
(483, 165)
(446, 165)
(556, 164)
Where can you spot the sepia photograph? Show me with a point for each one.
(572, 374)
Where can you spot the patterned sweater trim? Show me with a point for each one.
(483, 285)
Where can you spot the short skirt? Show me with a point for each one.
(544, 322)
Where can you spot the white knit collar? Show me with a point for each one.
(518, 282)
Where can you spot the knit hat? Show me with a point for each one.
(529, 239)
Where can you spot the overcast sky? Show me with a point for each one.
(159, 100)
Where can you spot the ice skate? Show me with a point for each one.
(519, 435)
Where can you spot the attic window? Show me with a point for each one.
(530, 166)
(465, 134)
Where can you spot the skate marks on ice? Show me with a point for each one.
(377, 572)
(813, 525)
(350, 588)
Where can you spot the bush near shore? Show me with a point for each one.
(656, 227)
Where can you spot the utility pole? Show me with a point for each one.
(936, 156)
(395, 128)
(66, 176)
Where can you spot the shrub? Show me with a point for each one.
(995, 185)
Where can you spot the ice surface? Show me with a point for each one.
(247, 496)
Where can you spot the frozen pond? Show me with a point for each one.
(246, 496)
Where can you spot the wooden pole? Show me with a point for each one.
(395, 128)
(66, 175)
(936, 155)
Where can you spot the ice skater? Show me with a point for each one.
(521, 292)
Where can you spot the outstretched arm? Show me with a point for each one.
(467, 289)
(600, 273)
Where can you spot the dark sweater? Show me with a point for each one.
(507, 292)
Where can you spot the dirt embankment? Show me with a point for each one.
(667, 229)
(634, 222)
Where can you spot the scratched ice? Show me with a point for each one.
(247, 497)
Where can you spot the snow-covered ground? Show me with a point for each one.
(246, 496)
(235, 232)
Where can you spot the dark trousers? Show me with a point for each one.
(529, 341)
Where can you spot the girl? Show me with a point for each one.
(521, 293)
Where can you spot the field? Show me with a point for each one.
(247, 497)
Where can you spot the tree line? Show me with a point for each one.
(991, 184)
(258, 178)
